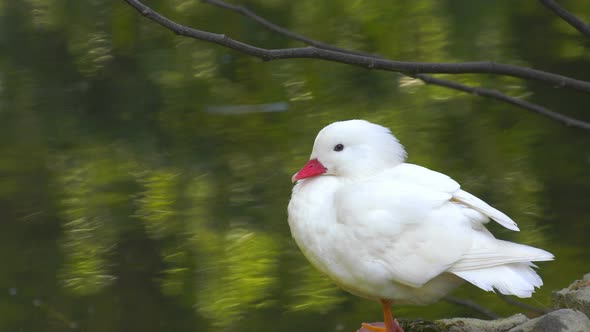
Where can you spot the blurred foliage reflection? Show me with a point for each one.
(144, 177)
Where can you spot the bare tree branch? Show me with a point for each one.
(414, 69)
(472, 305)
(476, 67)
(526, 306)
(494, 94)
(567, 16)
(273, 27)
(489, 313)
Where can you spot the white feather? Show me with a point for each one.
(442, 183)
(497, 252)
(511, 279)
(481, 206)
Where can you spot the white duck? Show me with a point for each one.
(396, 232)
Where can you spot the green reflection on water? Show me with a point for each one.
(240, 278)
(129, 205)
(91, 204)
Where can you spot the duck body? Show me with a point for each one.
(365, 259)
(395, 232)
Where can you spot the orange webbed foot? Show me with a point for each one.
(390, 324)
(380, 327)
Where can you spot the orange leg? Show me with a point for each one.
(391, 325)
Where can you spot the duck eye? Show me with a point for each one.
(338, 147)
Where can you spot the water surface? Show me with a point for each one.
(144, 177)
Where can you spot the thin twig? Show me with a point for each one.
(523, 305)
(412, 68)
(285, 32)
(472, 305)
(494, 94)
(570, 18)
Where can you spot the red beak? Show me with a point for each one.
(312, 168)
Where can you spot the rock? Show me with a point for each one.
(573, 317)
(459, 325)
(411, 326)
(478, 325)
(576, 296)
(421, 326)
(562, 320)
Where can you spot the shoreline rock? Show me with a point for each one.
(571, 312)
(561, 320)
(479, 325)
(576, 296)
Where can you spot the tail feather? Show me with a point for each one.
(491, 252)
(511, 279)
(483, 207)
